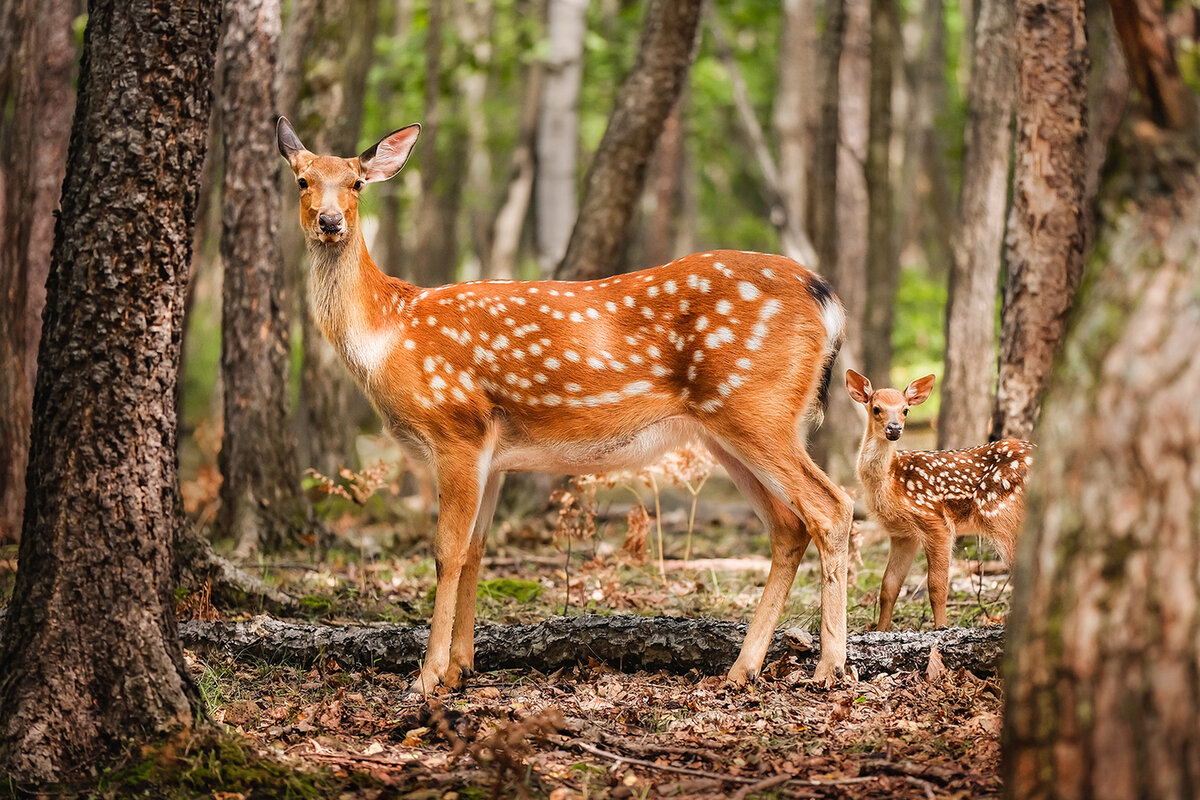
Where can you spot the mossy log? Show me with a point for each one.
(626, 642)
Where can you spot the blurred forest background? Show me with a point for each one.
(515, 96)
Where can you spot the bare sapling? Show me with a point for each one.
(928, 498)
(729, 348)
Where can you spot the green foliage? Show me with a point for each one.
(519, 590)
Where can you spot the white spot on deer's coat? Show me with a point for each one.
(653, 351)
(552, 363)
(571, 355)
(429, 365)
(748, 290)
(702, 323)
(652, 291)
(769, 308)
(637, 387)
(718, 337)
(724, 307)
(744, 363)
(610, 307)
(636, 359)
(575, 316)
(659, 370)
(437, 383)
(539, 377)
(593, 313)
(693, 281)
(595, 363)
(768, 274)
(669, 287)
(628, 301)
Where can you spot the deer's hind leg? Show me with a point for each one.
(462, 640)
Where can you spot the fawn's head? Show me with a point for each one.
(887, 408)
(329, 185)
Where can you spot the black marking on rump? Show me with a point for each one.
(820, 291)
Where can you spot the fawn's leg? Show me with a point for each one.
(459, 490)
(774, 454)
(462, 640)
(789, 540)
(937, 552)
(900, 558)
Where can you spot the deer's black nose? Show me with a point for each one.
(330, 223)
(893, 430)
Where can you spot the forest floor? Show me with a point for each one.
(593, 731)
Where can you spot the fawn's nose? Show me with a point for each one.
(330, 223)
(893, 430)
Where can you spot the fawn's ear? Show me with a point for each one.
(386, 157)
(918, 391)
(858, 386)
(287, 141)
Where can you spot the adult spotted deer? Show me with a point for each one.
(487, 377)
(928, 497)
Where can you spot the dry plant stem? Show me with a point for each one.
(617, 757)
(662, 567)
(763, 785)
(687, 551)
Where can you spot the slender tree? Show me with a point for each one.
(89, 657)
(969, 381)
(1047, 229)
(556, 187)
(882, 267)
(261, 502)
(1103, 696)
(618, 172)
(36, 69)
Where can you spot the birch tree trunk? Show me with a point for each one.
(970, 375)
(262, 506)
(556, 187)
(90, 660)
(35, 83)
(1047, 229)
(618, 172)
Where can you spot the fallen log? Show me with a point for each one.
(628, 643)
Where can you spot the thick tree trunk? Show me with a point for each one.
(796, 109)
(882, 267)
(338, 51)
(1103, 696)
(618, 172)
(556, 190)
(261, 502)
(90, 659)
(1047, 228)
(970, 376)
(625, 642)
(474, 20)
(37, 66)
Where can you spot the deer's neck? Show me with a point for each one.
(358, 308)
(875, 461)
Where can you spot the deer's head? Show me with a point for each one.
(329, 186)
(887, 408)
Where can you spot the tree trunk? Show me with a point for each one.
(796, 108)
(90, 659)
(474, 26)
(969, 380)
(624, 642)
(556, 187)
(1047, 227)
(1103, 697)
(882, 267)
(840, 218)
(338, 48)
(37, 69)
(262, 506)
(618, 172)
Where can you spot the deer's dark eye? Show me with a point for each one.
(303, 184)
(358, 186)
(905, 412)
(878, 411)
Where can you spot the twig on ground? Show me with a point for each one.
(698, 773)
(763, 785)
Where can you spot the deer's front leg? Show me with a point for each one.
(458, 478)
(937, 551)
(462, 644)
(900, 558)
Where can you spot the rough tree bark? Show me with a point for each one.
(262, 505)
(882, 267)
(618, 172)
(35, 88)
(555, 190)
(1047, 228)
(625, 642)
(1103, 696)
(90, 659)
(970, 374)
(796, 109)
(337, 54)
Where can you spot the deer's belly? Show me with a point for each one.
(599, 454)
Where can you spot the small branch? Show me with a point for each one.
(696, 773)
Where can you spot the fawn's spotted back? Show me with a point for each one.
(987, 480)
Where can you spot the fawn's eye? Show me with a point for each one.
(905, 412)
(303, 184)
(358, 186)
(878, 411)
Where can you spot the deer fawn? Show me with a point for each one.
(487, 377)
(927, 498)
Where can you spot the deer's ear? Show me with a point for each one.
(386, 157)
(858, 386)
(288, 142)
(918, 391)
